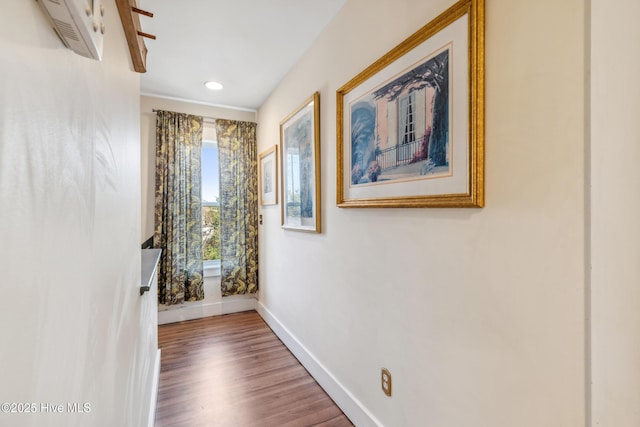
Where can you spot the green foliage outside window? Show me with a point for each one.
(210, 233)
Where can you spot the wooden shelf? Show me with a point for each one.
(131, 23)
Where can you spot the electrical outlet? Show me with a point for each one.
(385, 379)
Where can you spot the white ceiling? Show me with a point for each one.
(247, 45)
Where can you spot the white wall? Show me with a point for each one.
(479, 314)
(615, 209)
(74, 328)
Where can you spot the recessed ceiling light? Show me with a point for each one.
(213, 85)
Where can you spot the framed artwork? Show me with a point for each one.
(410, 127)
(268, 172)
(300, 159)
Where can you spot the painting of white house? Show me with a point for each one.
(400, 130)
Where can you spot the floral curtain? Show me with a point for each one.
(237, 150)
(178, 211)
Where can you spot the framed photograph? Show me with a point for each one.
(268, 172)
(300, 159)
(410, 127)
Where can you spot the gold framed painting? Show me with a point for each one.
(300, 171)
(410, 127)
(268, 173)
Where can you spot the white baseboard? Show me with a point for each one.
(154, 390)
(352, 407)
(197, 310)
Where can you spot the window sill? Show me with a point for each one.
(211, 268)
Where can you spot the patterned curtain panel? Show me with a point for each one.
(178, 210)
(237, 150)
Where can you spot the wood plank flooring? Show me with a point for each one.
(232, 371)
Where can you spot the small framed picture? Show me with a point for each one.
(268, 172)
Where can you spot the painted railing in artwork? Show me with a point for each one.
(403, 154)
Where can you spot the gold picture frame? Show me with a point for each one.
(268, 173)
(300, 170)
(410, 127)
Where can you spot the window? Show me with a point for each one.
(292, 182)
(407, 119)
(406, 147)
(210, 207)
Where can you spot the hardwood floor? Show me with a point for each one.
(232, 371)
